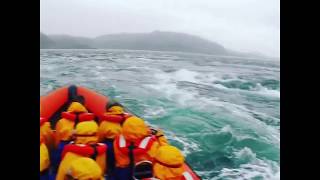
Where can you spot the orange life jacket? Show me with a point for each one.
(141, 146)
(143, 150)
(41, 139)
(78, 117)
(116, 118)
(85, 150)
(68, 122)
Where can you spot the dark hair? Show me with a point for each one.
(79, 99)
(112, 103)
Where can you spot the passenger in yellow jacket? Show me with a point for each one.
(46, 132)
(111, 121)
(109, 128)
(65, 127)
(85, 145)
(84, 169)
(44, 160)
(134, 139)
(169, 164)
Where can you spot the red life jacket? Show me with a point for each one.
(85, 150)
(78, 117)
(43, 120)
(41, 140)
(116, 118)
(141, 146)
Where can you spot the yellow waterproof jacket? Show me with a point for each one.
(64, 127)
(85, 169)
(110, 122)
(47, 133)
(165, 173)
(73, 154)
(168, 164)
(85, 146)
(44, 155)
(64, 130)
(108, 130)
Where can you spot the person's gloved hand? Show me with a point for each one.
(153, 131)
(161, 137)
(159, 133)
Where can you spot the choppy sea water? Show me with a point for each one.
(223, 112)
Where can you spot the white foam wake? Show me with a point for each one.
(251, 168)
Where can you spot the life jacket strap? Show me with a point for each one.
(131, 157)
(95, 152)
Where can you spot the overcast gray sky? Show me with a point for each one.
(243, 25)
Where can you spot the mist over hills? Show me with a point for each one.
(154, 41)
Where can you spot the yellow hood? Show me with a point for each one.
(86, 132)
(77, 108)
(169, 155)
(134, 129)
(115, 110)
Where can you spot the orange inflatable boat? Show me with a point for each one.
(57, 101)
